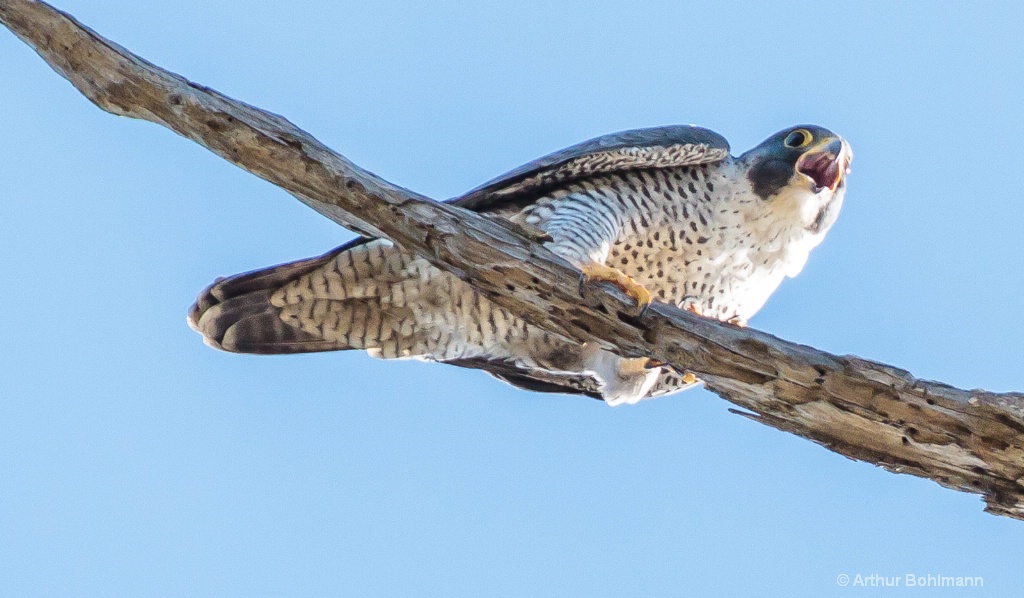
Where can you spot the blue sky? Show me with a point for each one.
(136, 461)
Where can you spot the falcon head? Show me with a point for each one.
(802, 168)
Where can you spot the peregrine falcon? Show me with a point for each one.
(667, 213)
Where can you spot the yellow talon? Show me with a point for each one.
(634, 289)
(689, 378)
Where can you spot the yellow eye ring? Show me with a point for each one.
(798, 138)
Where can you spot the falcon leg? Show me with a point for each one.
(602, 273)
(624, 380)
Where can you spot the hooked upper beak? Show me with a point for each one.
(826, 163)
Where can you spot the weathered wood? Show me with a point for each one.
(971, 441)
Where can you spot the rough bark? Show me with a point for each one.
(971, 441)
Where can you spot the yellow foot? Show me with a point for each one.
(634, 289)
(689, 378)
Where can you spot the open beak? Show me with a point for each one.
(825, 164)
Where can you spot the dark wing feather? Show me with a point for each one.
(532, 379)
(657, 147)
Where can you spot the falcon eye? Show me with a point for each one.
(798, 138)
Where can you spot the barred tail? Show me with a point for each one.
(350, 298)
(237, 314)
(393, 304)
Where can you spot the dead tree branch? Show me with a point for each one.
(971, 441)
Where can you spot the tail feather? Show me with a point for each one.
(236, 314)
(250, 324)
(393, 304)
(366, 296)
